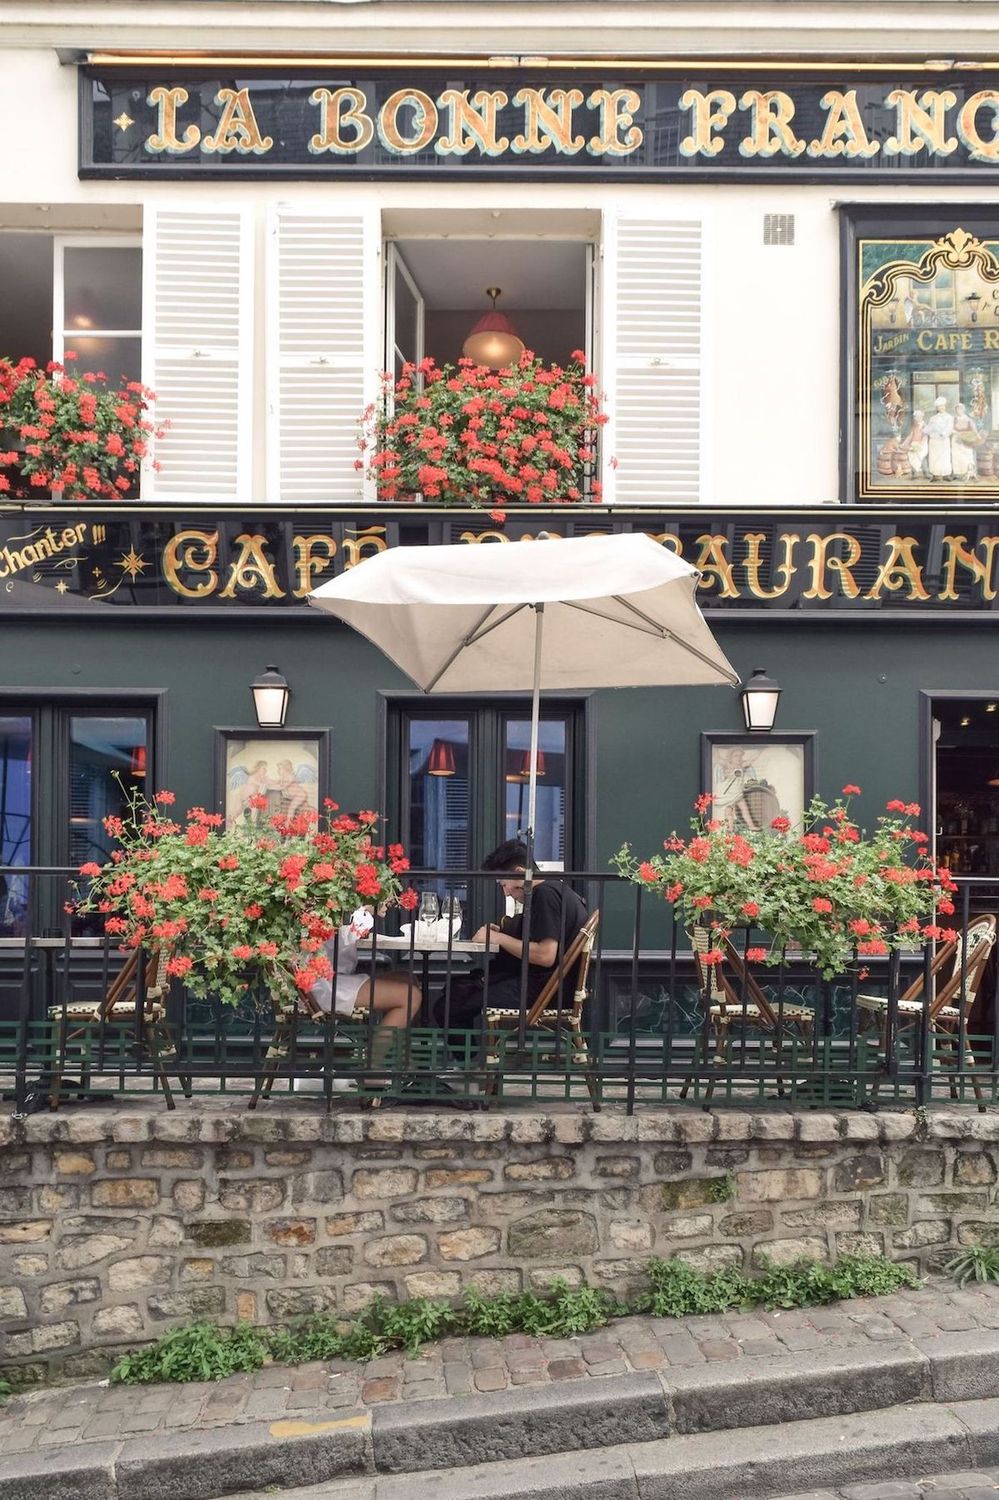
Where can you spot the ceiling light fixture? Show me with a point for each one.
(494, 341)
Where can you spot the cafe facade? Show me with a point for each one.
(781, 262)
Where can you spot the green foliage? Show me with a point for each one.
(720, 1189)
(4, 1391)
(203, 1351)
(828, 887)
(200, 1351)
(975, 1263)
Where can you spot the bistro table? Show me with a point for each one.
(427, 948)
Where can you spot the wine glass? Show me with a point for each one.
(451, 909)
(430, 909)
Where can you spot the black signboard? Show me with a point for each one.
(813, 562)
(711, 122)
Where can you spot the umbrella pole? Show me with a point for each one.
(532, 785)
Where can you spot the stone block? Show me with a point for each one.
(56, 1197)
(468, 1244)
(293, 1301)
(291, 1231)
(817, 1128)
(925, 1232)
(938, 1204)
(433, 1284)
(739, 1226)
(125, 1192)
(73, 1163)
(424, 1435)
(333, 1260)
(831, 1215)
(77, 1253)
(123, 1322)
(198, 1268)
(355, 1223)
(448, 1177)
(213, 1234)
(974, 1168)
(733, 1126)
(118, 1161)
(890, 1209)
(130, 1128)
(789, 1252)
(570, 1130)
(173, 1158)
(963, 1366)
(259, 1196)
(630, 1235)
(72, 1471)
(284, 1156)
(30, 1265)
(617, 1166)
(973, 1232)
(189, 1196)
(400, 1250)
(531, 1130)
(59, 1295)
(494, 1283)
(13, 1305)
(858, 1173)
(323, 1187)
(860, 1244)
(860, 1127)
(542, 1278)
(430, 1211)
(610, 1127)
(782, 1185)
(246, 1307)
(656, 1126)
(254, 1267)
(672, 1163)
(893, 1126)
(196, 1302)
(551, 1232)
(386, 1182)
(24, 1231)
(773, 1127)
(544, 1169)
(694, 1192)
(44, 1338)
(711, 1258)
(362, 1293)
(139, 1271)
(919, 1167)
(686, 1227)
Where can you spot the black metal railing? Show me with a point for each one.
(657, 1025)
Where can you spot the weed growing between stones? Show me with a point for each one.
(4, 1391)
(975, 1263)
(205, 1351)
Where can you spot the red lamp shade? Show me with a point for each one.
(539, 765)
(494, 341)
(137, 764)
(440, 762)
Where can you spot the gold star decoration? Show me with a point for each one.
(62, 587)
(132, 563)
(123, 122)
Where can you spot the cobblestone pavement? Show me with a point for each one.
(67, 1414)
(982, 1485)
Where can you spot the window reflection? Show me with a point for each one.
(15, 822)
(107, 758)
(438, 836)
(549, 833)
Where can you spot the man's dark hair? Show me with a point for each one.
(509, 856)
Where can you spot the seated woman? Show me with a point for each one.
(393, 997)
(557, 914)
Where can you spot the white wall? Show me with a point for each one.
(772, 374)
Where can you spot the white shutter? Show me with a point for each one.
(651, 367)
(323, 348)
(198, 350)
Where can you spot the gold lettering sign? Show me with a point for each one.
(252, 567)
(844, 133)
(548, 122)
(710, 114)
(770, 131)
(237, 129)
(165, 138)
(194, 552)
(921, 125)
(341, 107)
(473, 123)
(424, 126)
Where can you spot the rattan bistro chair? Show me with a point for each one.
(960, 962)
(290, 1016)
(735, 1001)
(547, 1015)
(82, 1025)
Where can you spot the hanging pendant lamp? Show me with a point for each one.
(493, 341)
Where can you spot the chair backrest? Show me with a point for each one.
(576, 957)
(971, 954)
(726, 983)
(123, 990)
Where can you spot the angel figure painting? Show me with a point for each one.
(285, 771)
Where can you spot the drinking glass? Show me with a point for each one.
(430, 908)
(451, 909)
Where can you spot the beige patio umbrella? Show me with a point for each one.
(587, 612)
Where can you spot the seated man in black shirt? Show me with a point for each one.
(557, 914)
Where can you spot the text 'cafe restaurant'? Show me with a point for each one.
(788, 289)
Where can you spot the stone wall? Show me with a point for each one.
(113, 1226)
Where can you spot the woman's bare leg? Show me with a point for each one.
(397, 999)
